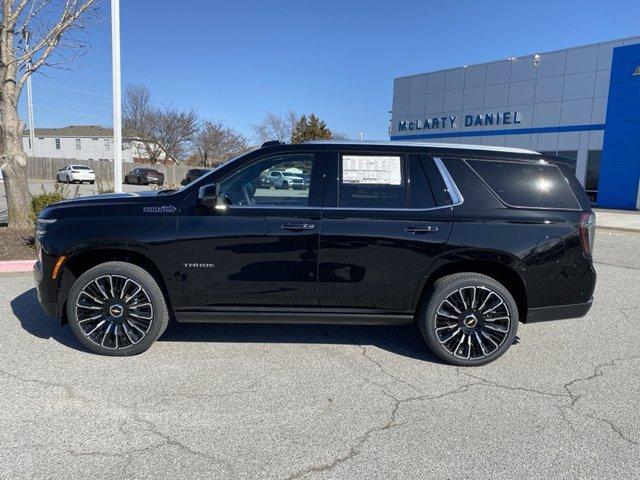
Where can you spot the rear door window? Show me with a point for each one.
(372, 181)
(526, 185)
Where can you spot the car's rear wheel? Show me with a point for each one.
(468, 319)
(117, 309)
(139, 180)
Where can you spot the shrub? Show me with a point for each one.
(44, 199)
(104, 187)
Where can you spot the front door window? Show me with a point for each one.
(277, 181)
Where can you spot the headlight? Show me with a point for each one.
(43, 223)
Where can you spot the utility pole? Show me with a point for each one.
(32, 134)
(117, 95)
(361, 135)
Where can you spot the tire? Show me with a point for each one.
(285, 185)
(139, 180)
(92, 182)
(92, 309)
(471, 336)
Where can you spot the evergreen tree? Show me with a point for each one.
(310, 128)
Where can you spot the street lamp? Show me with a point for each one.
(117, 95)
(32, 135)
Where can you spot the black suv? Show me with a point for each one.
(463, 241)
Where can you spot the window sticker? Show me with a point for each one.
(371, 170)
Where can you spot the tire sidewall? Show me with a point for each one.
(139, 275)
(441, 290)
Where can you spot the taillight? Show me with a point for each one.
(587, 228)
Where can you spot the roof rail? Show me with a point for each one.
(271, 143)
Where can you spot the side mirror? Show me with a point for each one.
(207, 196)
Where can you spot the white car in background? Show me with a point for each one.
(282, 179)
(76, 173)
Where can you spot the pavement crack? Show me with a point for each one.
(568, 394)
(485, 382)
(388, 424)
(70, 394)
(365, 353)
(616, 265)
(169, 440)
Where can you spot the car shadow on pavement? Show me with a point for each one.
(402, 340)
(33, 320)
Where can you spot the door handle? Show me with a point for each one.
(298, 227)
(420, 228)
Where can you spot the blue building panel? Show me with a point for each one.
(620, 167)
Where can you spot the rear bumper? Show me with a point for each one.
(558, 312)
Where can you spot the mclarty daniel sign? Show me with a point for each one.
(469, 120)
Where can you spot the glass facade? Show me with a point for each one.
(593, 174)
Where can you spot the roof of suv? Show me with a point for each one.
(456, 146)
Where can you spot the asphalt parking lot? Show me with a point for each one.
(289, 402)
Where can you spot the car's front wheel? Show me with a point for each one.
(117, 309)
(468, 319)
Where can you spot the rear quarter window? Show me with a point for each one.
(527, 185)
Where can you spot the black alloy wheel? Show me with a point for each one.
(117, 309)
(469, 319)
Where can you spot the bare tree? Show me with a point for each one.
(173, 130)
(214, 143)
(161, 131)
(51, 28)
(276, 127)
(139, 119)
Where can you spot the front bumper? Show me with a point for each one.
(50, 308)
(558, 312)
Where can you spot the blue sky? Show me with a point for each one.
(235, 61)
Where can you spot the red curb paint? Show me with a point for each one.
(17, 266)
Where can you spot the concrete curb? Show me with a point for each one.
(14, 266)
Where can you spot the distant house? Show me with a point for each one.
(81, 142)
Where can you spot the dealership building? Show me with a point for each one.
(580, 103)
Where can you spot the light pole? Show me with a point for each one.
(32, 134)
(117, 95)
(361, 135)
